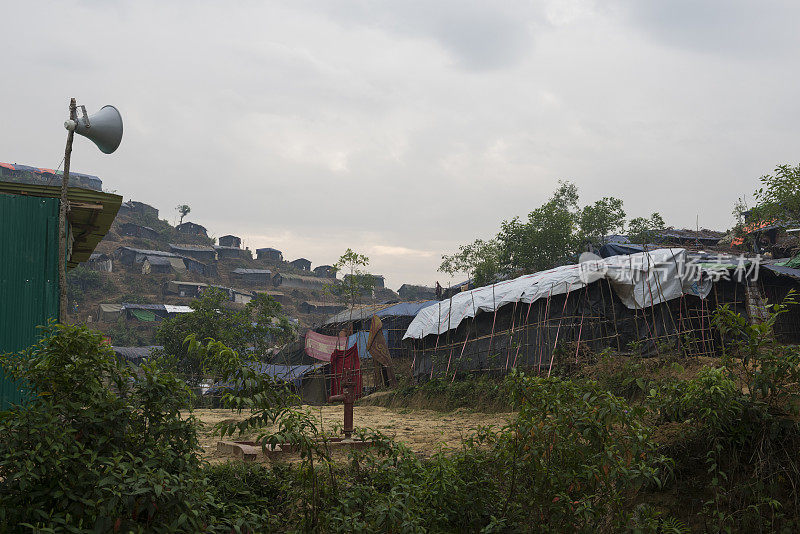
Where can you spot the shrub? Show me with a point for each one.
(96, 448)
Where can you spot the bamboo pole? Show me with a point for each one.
(62, 219)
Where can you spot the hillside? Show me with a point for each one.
(169, 275)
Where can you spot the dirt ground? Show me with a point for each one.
(424, 431)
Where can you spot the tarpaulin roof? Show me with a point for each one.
(143, 315)
(287, 373)
(783, 271)
(399, 309)
(640, 280)
(361, 338)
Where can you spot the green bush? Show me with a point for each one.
(97, 449)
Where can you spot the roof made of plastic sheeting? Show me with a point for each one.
(399, 309)
(640, 280)
(288, 373)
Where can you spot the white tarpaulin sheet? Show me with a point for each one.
(178, 309)
(640, 280)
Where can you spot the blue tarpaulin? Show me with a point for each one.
(360, 338)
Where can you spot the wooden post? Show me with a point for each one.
(62, 220)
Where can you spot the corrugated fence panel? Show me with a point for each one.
(28, 277)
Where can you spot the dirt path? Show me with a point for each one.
(424, 431)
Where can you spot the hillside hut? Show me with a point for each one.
(325, 271)
(295, 281)
(269, 254)
(377, 280)
(100, 262)
(252, 277)
(233, 253)
(302, 264)
(137, 230)
(230, 241)
(136, 209)
(158, 265)
(190, 228)
(327, 308)
(199, 252)
(109, 313)
(131, 255)
(277, 296)
(414, 292)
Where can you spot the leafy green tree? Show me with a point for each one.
(600, 219)
(778, 198)
(254, 329)
(356, 282)
(479, 260)
(269, 326)
(644, 230)
(183, 210)
(98, 448)
(546, 239)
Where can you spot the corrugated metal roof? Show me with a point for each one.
(91, 214)
(252, 271)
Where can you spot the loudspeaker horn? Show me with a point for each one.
(104, 129)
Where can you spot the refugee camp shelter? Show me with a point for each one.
(233, 253)
(29, 289)
(190, 228)
(131, 255)
(137, 209)
(100, 262)
(308, 381)
(702, 237)
(313, 306)
(137, 230)
(302, 264)
(296, 281)
(269, 254)
(230, 241)
(158, 264)
(109, 313)
(253, 277)
(377, 280)
(152, 312)
(776, 280)
(640, 303)
(199, 252)
(396, 317)
(415, 292)
(325, 271)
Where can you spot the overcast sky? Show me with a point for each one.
(404, 128)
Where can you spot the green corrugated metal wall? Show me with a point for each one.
(28, 276)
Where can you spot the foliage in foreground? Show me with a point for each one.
(100, 449)
(97, 448)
